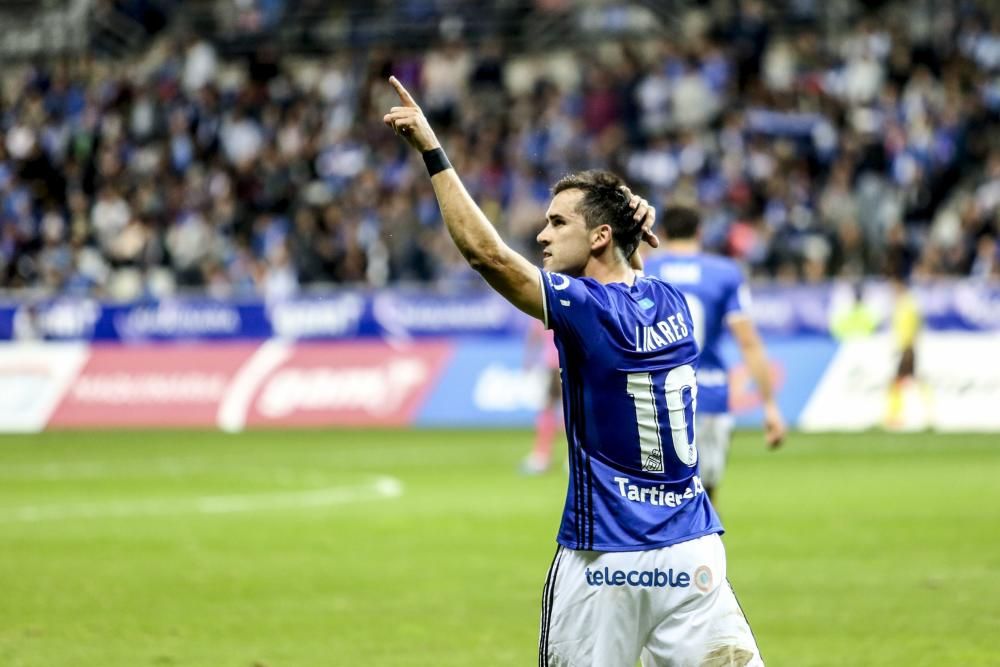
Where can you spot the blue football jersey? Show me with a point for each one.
(628, 357)
(714, 289)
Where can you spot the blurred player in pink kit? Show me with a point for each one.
(540, 352)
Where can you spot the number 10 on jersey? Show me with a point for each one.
(680, 392)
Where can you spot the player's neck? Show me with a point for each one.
(683, 247)
(606, 272)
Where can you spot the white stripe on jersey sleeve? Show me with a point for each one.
(545, 304)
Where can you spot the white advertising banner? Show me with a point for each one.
(957, 387)
(33, 379)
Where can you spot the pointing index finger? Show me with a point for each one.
(404, 95)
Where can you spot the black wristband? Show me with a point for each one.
(436, 160)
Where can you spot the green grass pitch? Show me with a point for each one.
(357, 548)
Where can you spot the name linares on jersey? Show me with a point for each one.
(663, 333)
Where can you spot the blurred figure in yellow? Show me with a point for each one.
(906, 324)
(855, 321)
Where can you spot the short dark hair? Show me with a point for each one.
(604, 203)
(680, 222)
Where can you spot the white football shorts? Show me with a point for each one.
(713, 435)
(669, 607)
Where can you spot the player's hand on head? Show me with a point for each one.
(644, 213)
(408, 121)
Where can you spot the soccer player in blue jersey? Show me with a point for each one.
(640, 570)
(718, 299)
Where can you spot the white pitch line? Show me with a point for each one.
(380, 488)
(63, 470)
(57, 471)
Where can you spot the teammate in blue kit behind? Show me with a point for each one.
(718, 299)
(640, 570)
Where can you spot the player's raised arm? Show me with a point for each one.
(507, 272)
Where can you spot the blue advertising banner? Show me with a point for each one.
(172, 320)
(486, 383)
(945, 306)
(411, 313)
(401, 314)
(392, 315)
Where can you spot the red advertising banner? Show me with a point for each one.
(151, 385)
(234, 386)
(346, 384)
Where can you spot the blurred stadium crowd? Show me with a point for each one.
(813, 153)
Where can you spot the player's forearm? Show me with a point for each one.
(507, 272)
(472, 232)
(757, 363)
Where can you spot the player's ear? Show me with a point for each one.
(600, 237)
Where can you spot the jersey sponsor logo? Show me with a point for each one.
(661, 334)
(655, 578)
(657, 494)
